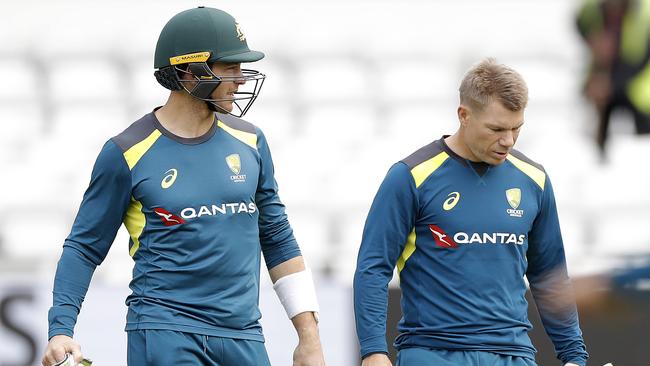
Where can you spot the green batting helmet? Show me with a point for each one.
(190, 42)
(191, 34)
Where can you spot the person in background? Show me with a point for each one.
(617, 33)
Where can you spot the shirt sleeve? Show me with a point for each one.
(550, 283)
(390, 219)
(276, 236)
(100, 216)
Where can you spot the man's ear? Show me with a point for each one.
(464, 115)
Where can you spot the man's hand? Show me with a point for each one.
(376, 359)
(58, 346)
(309, 351)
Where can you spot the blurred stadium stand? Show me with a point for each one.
(352, 87)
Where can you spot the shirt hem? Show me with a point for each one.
(500, 351)
(250, 335)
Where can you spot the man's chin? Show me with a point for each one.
(498, 158)
(495, 160)
(223, 107)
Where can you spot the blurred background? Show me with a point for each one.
(352, 87)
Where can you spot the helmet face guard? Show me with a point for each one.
(204, 82)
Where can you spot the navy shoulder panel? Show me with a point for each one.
(519, 155)
(135, 133)
(236, 123)
(423, 154)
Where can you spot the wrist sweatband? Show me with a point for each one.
(297, 294)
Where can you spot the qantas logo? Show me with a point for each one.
(168, 218)
(445, 241)
(441, 238)
(489, 238)
(222, 209)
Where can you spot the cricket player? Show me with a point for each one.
(465, 219)
(194, 185)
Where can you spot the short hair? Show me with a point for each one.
(488, 80)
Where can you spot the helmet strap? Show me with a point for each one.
(216, 108)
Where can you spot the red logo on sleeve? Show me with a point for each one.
(168, 218)
(441, 238)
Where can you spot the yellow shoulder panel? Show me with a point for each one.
(421, 171)
(534, 173)
(135, 153)
(248, 138)
(409, 249)
(134, 222)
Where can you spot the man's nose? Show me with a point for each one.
(508, 139)
(240, 80)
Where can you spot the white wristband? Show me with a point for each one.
(297, 294)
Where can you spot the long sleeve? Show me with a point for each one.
(391, 218)
(98, 220)
(550, 283)
(276, 236)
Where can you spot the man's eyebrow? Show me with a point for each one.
(498, 127)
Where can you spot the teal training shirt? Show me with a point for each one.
(463, 235)
(199, 212)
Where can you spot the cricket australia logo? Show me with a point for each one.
(234, 163)
(240, 34)
(513, 195)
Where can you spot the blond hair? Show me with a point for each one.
(488, 80)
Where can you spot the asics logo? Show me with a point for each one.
(451, 201)
(169, 179)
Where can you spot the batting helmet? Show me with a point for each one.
(194, 39)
